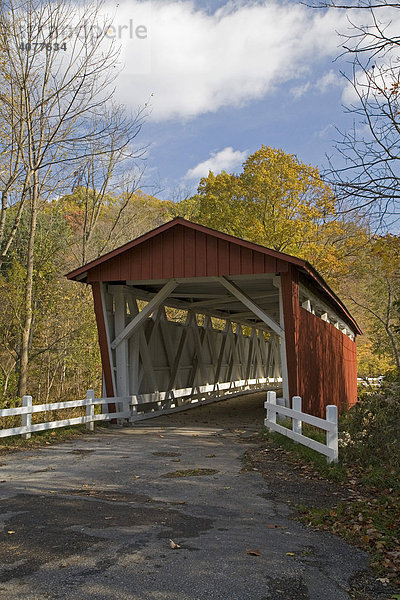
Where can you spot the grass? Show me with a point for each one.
(370, 523)
(332, 471)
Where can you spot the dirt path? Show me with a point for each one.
(92, 519)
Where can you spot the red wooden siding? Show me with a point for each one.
(327, 365)
(291, 308)
(184, 252)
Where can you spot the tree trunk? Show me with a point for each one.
(394, 346)
(26, 330)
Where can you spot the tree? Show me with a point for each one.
(119, 219)
(58, 80)
(11, 293)
(110, 169)
(365, 171)
(376, 293)
(279, 202)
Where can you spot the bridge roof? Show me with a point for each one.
(182, 249)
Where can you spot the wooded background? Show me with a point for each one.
(71, 162)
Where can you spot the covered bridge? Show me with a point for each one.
(187, 314)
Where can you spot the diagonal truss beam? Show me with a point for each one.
(248, 302)
(145, 312)
(216, 300)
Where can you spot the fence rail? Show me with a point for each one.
(374, 382)
(330, 425)
(27, 409)
(130, 408)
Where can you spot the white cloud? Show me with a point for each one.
(322, 85)
(325, 133)
(194, 62)
(328, 80)
(300, 90)
(224, 160)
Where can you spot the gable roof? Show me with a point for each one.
(190, 225)
(181, 248)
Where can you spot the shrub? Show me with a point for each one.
(369, 433)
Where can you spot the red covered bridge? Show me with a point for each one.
(189, 314)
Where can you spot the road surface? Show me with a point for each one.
(92, 518)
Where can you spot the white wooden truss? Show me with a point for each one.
(318, 307)
(169, 349)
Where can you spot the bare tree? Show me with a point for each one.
(365, 172)
(109, 170)
(60, 69)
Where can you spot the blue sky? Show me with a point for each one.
(223, 78)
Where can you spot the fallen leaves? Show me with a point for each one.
(274, 526)
(10, 532)
(364, 515)
(173, 545)
(371, 523)
(253, 552)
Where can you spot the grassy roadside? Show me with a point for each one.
(368, 512)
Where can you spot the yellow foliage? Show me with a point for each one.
(281, 203)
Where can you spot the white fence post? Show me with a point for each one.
(27, 418)
(330, 425)
(90, 409)
(332, 436)
(271, 413)
(296, 423)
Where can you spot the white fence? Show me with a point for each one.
(27, 409)
(330, 425)
(129, 408)
(374, 382)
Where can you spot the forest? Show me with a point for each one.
(276, 201)
(71, 167)
(73, 186)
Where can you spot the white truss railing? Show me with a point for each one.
(330, 425)
(146, 406)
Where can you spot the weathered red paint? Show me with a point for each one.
(291, 309)
(198, 241)
(179, 253)
(327, 365)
